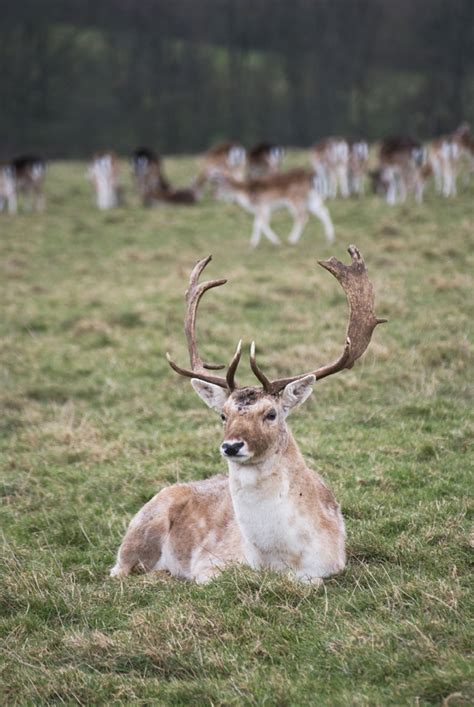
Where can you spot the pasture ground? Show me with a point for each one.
(94, 421)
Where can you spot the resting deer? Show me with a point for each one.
(330, 161)
(295, 190)
(104, 173)
(271, 511)
(153, 187)
(148, 173)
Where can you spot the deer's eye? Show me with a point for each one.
(271, 415)
(223, 417)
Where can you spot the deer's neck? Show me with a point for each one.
(274, 471)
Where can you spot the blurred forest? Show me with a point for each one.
(177, 75)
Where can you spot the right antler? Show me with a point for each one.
(362, 321)
(198, 368)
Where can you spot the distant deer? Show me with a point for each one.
(228, 159)
(330, 161)
(148, 173)
(445, 156)
(8, 197)
(29, 172)
(264, 159)
(357, 166)
(153, 187)
(104, 174)
(295, 190)
(402, 169)
(271, 511)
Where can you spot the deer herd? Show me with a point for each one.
(254, 179)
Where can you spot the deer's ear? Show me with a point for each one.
(296, 393)
(213, 395)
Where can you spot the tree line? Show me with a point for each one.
(79, 75)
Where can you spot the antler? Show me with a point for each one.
(198, 368)
(362, 321)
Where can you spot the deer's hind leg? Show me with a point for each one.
(149, 529)
(141, 547)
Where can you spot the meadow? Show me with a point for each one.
(94, 422)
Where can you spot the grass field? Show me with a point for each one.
(94, 421)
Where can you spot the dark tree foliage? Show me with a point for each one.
(78, 75)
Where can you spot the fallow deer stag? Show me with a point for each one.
(271, 511)
(295, 190)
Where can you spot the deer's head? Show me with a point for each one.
(255, 418)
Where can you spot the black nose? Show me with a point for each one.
(231, 450)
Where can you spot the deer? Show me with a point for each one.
(153, 187)
(446, 154)
(264, 159)
(270, 511)
(296, 190)
(29, 172)
(330, 161)
(8, 195)
(402, 169)
(148, 173)
(357, 166)
(228, 159)
(103, 171)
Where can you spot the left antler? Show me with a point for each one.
(362, 321)
(198, 368)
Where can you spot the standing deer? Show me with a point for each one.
(446, 154)
(227, 159)
(264, 159)
(271, 511)
(330, 161)
(29, 173)
(295, 190)
(8, 196)
(104, 173)
(357, 166)
(402, 169)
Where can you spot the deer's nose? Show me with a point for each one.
(232, 449)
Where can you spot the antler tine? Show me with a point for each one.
(267, 384)
(233, 367)
(362, 320)
(198, 368)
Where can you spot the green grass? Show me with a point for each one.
(94, 421)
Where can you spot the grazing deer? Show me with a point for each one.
(264, 159)
(357, 166)
(104, 174)
(330, 161)
(8, 197)
(149, 177)
(29, 171)
(295, 190)
(402, 169)
(271, 511)
(228, 159)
